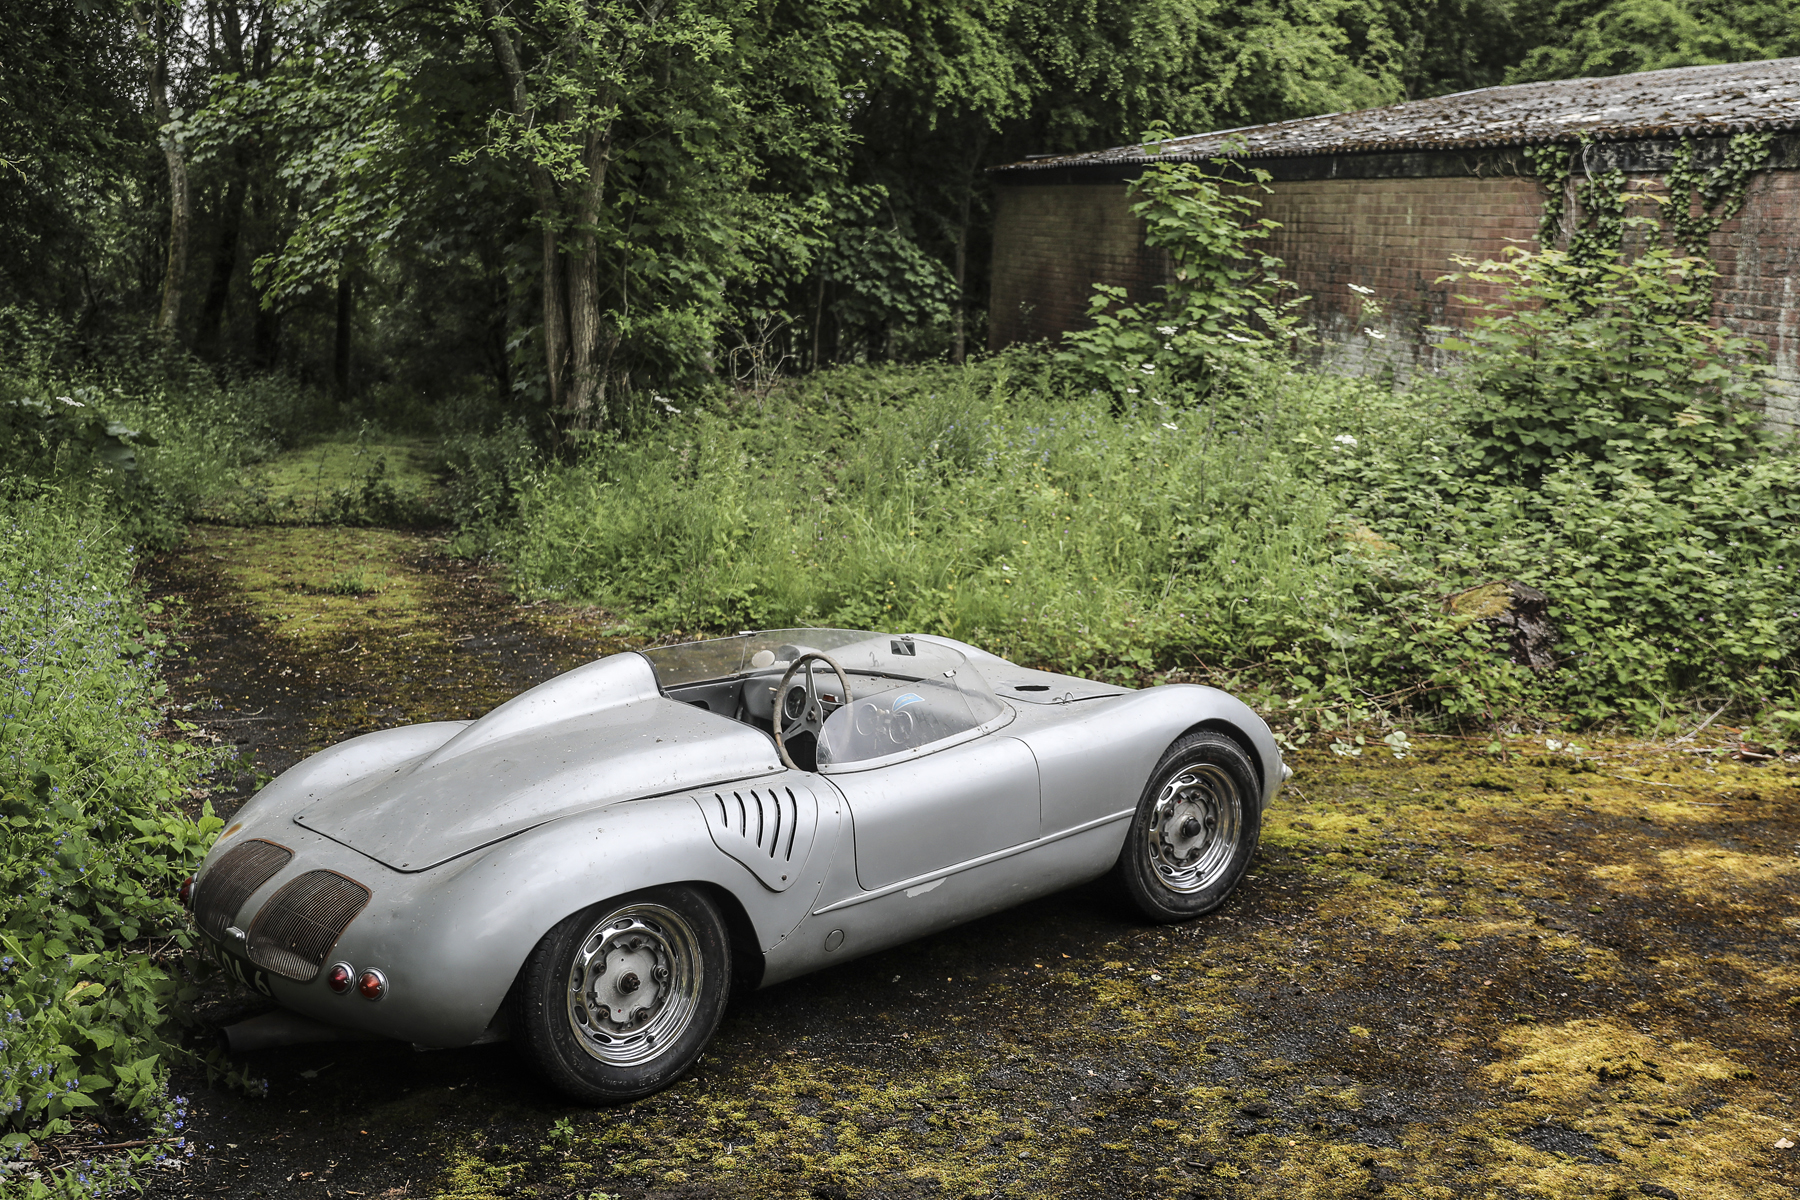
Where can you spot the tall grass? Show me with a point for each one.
(1037, 523)
(1296, 538)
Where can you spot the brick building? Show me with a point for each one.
(1385, 197)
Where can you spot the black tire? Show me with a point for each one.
(618, 1001)
(1194, 832)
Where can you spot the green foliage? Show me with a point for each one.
(1035, 522)
(149, 427)
(1223, 304)
(95, 841)
(1704, 199)
(1610, 358)
(1617, 37)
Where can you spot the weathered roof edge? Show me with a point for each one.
(1777, 79)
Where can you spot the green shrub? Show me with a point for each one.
(155, 430)
(1221, 313)
(95, 844)
(1609, 357)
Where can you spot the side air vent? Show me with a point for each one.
(768, 829)
(300, 924)
(225, 887)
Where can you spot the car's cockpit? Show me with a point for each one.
(835, 699)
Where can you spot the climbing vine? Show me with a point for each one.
(1552, 165)
(1601, 200)
(1702, 200)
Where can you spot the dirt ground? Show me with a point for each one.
(1567, 971)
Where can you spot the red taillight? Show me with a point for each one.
(340, 977)
(185, 893)
(372, 985)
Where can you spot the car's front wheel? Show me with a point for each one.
(618, 1001)
(1195, 829)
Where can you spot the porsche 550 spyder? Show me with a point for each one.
(591, 867)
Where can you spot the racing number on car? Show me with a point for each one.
(241, 971)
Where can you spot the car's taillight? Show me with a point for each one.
(185, 893)
(340, 977)
(372, 985)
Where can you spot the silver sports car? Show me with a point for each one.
(594, 865)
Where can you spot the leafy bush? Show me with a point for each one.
(1611, 358)
(1222, 309)
(95, 844)
(154, 429)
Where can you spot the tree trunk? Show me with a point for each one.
(959, 320)
(265, 326)
(555, 319)
(544, 189)
(168, 317)
(340, 357)
(589, 359)
(224, 265)
(158, 30)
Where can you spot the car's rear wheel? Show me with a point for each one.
(1195, 829)
(618, 1001)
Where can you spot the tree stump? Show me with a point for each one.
(1521, 611)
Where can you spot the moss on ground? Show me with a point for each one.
(1449, 976)
(1562, 972)
(359, 478)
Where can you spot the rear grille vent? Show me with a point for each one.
(300, 924)
(239, 872)
(766, 818)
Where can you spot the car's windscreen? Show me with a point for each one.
(909, 716)
(909, 694)
(775, 649)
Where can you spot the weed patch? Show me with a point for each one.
(94, 849)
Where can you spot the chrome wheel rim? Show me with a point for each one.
(634, 984)
(1194, 828)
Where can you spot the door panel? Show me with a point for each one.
(933, 812)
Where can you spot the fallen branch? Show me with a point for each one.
(129, 1145)
(1696, 733)
(1649, 782)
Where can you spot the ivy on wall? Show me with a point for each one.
(1717, 192)
(1701, 199)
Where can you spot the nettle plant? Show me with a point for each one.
(1598, 353)
(1225, 306)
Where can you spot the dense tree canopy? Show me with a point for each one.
(574, 203)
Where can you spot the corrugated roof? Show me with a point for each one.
(1680, 102)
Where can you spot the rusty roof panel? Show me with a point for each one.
(1680, 102)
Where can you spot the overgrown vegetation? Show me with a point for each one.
(94, 850)
(1167, 497)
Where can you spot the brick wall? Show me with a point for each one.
(1758, 255)
(1052, 243)
(1397, 235)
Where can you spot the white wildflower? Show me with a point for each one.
(71, 402)
(1147, 368)
(1131, 391)
(1376, 334)
(1166, 330)
(1171, 428)
(1345, 439)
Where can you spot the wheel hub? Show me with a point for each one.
(633, 984)
(1194, 828)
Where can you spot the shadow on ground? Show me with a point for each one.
(1569, 973)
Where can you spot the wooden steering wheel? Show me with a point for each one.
(808, 708)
